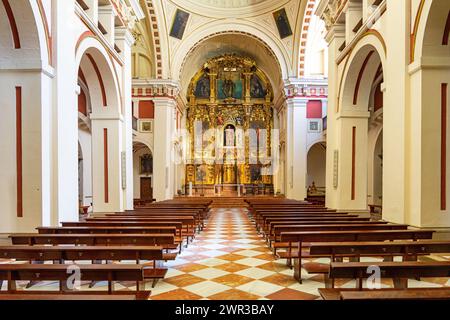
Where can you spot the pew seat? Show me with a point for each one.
(59, 272)
(81, 296)
(385, 294)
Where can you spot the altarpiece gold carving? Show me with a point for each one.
(229, 120)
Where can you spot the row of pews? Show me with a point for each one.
(121, 247)
(300, 231)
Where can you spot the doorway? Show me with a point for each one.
(146, 189)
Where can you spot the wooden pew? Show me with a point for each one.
(260, 218)
(318, 219)
(86, 253)
(347, 236)
(59, 272)
(408, 250)
(386, 294)
(187, 229)
(84, 296)
(107, 230)
(400, 272)
(136, 224)
(278, 229)
(167, 241)
(270, 223)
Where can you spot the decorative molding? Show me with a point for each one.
(360, 76)
(304, 35)
(12, 24)
(48, 35)
(105, 164)
(155, 89)
(353, 185)
(100, 79)
(306, 88)
(444, 90)
(19, 150)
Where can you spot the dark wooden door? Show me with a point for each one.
(146, 189)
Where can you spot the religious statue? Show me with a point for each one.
(229, 136)
(228, 88)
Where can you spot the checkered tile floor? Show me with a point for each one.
(230, 261)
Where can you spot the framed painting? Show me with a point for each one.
(283, 25)
(179, 24)
(146, 126)
(146, 164)
(203, 88)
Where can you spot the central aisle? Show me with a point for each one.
(229, 260)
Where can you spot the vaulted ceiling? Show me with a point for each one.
(214, 27)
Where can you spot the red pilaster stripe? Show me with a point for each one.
(353, 162)
(100, 79)
(105, 164)
(446, 31)
(444, 87)
(360, 75)
(19, 151)
(12, 24)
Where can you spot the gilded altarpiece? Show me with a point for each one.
(230, 120)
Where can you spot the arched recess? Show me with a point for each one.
(84, 143)
(317, 165)
(142, 171)
(429, 172)
(245, 31)
(98, 81)
(362, 78)
(100, 75)
(433, 30)
(25, 103)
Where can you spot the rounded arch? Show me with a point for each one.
(431, 29)
(361, 67)
(141, 143)
(221, 27)
(23, 27)
(316, 164)
(101, 78)
(322, 140)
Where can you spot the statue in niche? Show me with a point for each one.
(230, 136)
(228, 88)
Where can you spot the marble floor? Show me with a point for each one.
(228, 260)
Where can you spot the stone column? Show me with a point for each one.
(124, 41)
(335, 38)
(163, 161)
(107, 146)
(64, 117)
(296, 148)
(351, 128)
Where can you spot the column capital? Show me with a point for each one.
(124, 34)
(296, 102)
(347, 114)
(336, 31)
(164, 102)
(309, 89)
(156, 88)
